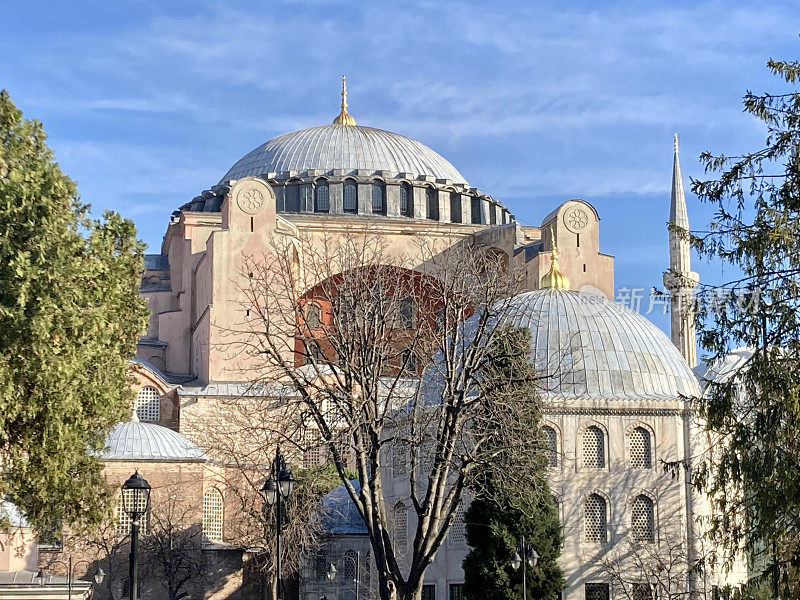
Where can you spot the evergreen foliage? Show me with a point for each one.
(503, 512)
(70, 316)
(752, 473)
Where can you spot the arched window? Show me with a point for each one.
(639, 449)
(432, 203)
(313, 315)
(406, 312)
(406, 200)
(476, 212)
(322, 203)
(642, 591)
(350, 199)
(212, 515)
(148, 404)
(378, 197)
(292, 196)
(594, 448)
(492, 213)
(408, 361)
(306, 198)
(643, 519)
(400, 525)
(457, 529)
(551, 444)
(123, 519)
(349, 566)
(594, 518)
(399, 457)
(455, 207)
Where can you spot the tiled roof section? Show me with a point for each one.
(23, 578)
(344, 147)
(340, 515)
(138, 441)
(591, 347)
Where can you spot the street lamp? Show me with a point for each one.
(524, 554)
(278, 487)
(135, 502)
(332, 572)
(98, 577)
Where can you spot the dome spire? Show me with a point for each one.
(344, 117)
(554, 278)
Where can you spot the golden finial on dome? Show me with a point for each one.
(344, 118)
(554, 278)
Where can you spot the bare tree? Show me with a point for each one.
(385, 364)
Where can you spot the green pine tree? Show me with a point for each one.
(753, 474)
(70, 316)
(508, 506)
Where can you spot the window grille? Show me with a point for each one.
(597, 591)
(124, 521)
(366, 570)
(432, 201)
(212, 515)
(594, 516)
(455, 207)
(400, 525)
(428, 591)
(476, 215)
(408, 361)
(313, 451)
(350, 200)
(457, 529)
(305, 197)
(313, 316)
(642, 591)
(551, 444)
(406, 313)
(406, 200)
(643, 519)
(594, 448)
(640, 449)
(349, 566)
(399, 458)
(456, 591)
(320, 566)
(148, 404)
(378, 197)
(322, 200)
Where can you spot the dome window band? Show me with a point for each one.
(148, 404)
(594, 448)
(643, 519)
(406, 200)
(594, 517)
(212, 515)
(640, 449)
(350, 197)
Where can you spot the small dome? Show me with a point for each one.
(347, 147)
(339, 513)
(593, 347)
(133, 440)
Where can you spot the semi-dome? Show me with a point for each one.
(588, 346)
(346, 147)
(133, 440)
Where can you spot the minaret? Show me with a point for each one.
(680, 280)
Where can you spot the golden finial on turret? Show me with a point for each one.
(554, 278)
(344, 118)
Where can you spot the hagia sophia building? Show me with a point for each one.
(612, 419)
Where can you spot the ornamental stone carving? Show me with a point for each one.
(250, 200)
(576, 219)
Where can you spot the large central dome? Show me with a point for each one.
(346, 147)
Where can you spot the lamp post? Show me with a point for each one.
(277, 487)
(332, 572)
(524, 555)
(98, 577)
(135, 502)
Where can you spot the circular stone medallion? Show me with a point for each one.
(250, 200)
(576, 219)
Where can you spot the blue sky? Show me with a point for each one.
(149, 103)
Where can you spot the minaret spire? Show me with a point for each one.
(680, 280)
(343, 118)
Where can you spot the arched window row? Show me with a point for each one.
(303, 196)
(596, 516)
(593, 447)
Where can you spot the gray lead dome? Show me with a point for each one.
(593, 347)
(133, 440)
(346, 147)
